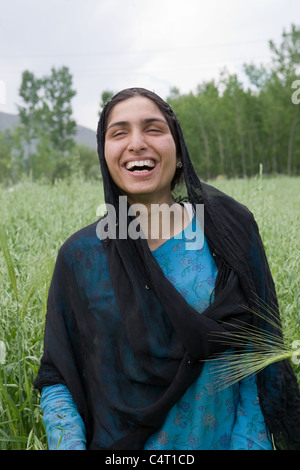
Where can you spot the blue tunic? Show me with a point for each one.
(204, 418)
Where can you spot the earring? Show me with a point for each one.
(179, 165)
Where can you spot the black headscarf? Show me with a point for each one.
(152, 311)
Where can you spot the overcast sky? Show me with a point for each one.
(115, 44)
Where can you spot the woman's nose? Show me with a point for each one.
(136, 141)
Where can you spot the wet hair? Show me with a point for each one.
(164, 108)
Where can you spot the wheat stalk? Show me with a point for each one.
(251, 349)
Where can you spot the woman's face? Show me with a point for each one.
(140, 151)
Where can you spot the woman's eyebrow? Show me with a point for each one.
(150, 120)
(144, 121)
(117, 124)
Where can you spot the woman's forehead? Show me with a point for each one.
(134, 108)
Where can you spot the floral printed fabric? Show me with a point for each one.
(205, 419)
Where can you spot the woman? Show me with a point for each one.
(132, 317)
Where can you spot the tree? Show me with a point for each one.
(58, 94)
(29, 115)
(5, 155)
(187, 111)
(286, 56)
(235, 99)
(88, 162)
(105, 97)
(46, 124)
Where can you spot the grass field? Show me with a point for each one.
(36, 219)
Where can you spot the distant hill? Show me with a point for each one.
(84, 135)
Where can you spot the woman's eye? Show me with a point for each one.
(119, 133)
(154, 130)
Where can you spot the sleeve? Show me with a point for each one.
(64, 426)
(249, 432)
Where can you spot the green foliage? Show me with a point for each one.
(5, 154)
(88, 162)
(105, 97)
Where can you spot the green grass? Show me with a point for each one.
(36, 219)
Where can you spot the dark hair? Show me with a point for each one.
(163, 106)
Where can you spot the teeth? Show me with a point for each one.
(140, 163)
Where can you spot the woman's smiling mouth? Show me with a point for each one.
(140, 166)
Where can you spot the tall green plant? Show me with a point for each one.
(18, 405)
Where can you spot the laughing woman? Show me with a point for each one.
(131, 319)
